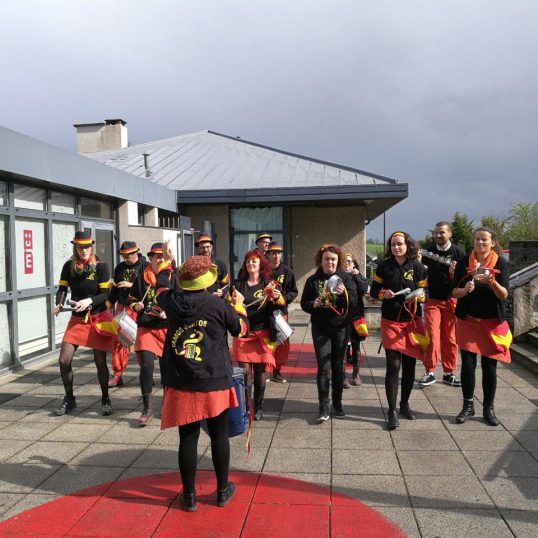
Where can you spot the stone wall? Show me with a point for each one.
(522, 254)
(525, 308)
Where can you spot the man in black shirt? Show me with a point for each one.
(440, 258)
(204, 246)
(286, 279)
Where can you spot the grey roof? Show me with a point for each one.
(28, 158)
(208, 167)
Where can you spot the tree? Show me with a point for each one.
(523, 222)
(462, 231)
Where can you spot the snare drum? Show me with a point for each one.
(283, 328)
(126, 329)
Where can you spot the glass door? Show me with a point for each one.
(105, 243)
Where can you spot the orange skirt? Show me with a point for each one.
(471, 336)
(395, 336)
(148, 339)
(84, 334)
(182, 407)
(252, 349)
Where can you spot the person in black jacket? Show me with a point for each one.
(403, 331)
(151, 321)
(196, 369)
(204, 244)
(440, 258)
(285, 277)
(358, 324)
(88, 279)
(262, 296)
(330, 297)
(124, 276)
(481, 282)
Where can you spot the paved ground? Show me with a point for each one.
(431, 477)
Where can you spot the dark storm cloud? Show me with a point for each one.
(438, 94)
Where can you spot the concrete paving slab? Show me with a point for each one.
(79, 432)
(293, 460)
(447, 523)
(48, 453)
(23, 503)
(8, 500)
(404, 518)
(502, 463)
(17, 478)
(361, 439)
(30, 431)
(373, 490)
(437, 462)
(301, 438)
(124, 434)
(370, 462)
(523, 523)
(486, 440)
(98, 454)
(426, 440)
(73, 478)
(528, 439)
(298, 420)
(516, 493)
(301, 405)
(10, 447)
(359, 421)
(462, 492)
(31, 401)
(239, 460)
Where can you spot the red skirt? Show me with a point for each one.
(80, 333)
(182, 407)
(254, 348)
(148, 339)
(397, 336)
(474, 337)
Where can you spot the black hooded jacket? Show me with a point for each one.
(195, 355)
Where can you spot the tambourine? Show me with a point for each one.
(415, 294)
(332, 283)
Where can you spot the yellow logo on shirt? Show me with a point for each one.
(408, 275)
(258, 294)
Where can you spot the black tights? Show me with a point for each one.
(489, 376)
(255, 373)
(394, 360)
(146, 360)
(220, 451)
(67, 352)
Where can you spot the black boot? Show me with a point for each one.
(188, 501)
(224, 495)
(392, 420)
(405, 410)
(147, 411)
(489, 415)
(466, 412)
(259, 392)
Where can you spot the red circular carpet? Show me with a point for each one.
(264, 505)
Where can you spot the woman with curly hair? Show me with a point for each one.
(88, 279)
(330, 297)
(403, 333)
(262, 294)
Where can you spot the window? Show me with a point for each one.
(141, 215)
(5, 336)
(4, 198)
(63, 202)
(96, 209)
(5, 284)
(30, 198)
(30, 253)
(33, 325)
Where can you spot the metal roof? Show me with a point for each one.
(209, 167)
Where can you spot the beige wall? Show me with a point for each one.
(218, 215)
(313, 226)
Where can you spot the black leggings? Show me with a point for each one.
(394, 360)
(255, 373)
(489, 376)
(220, 451)
(67, 352)
(146, 359)
(330, 347)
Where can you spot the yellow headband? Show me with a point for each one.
(398, 233)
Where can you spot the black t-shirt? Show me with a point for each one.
(439, 280)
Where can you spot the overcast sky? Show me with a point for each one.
(439, 94)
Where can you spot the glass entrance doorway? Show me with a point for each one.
(105, 243)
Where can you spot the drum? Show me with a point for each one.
(284, 330)
(126, 329)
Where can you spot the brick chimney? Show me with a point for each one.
(107, 135)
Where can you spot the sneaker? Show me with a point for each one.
(427, 379)
(188, 501)
(278, 377)
(338, 412)
(115, 381)
(66, 405)
(356, 380)
(323, 413)
(451, 379)
(106, 407)
(346, 382)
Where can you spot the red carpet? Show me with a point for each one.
(264, 506)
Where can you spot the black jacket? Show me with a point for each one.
(390, 275)
(124, 272)
(439, 280)
(285, 277)
(195, 355)
(325, 318)
(482, 302)
(149, 317)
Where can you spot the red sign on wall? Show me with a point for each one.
(28, 252)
